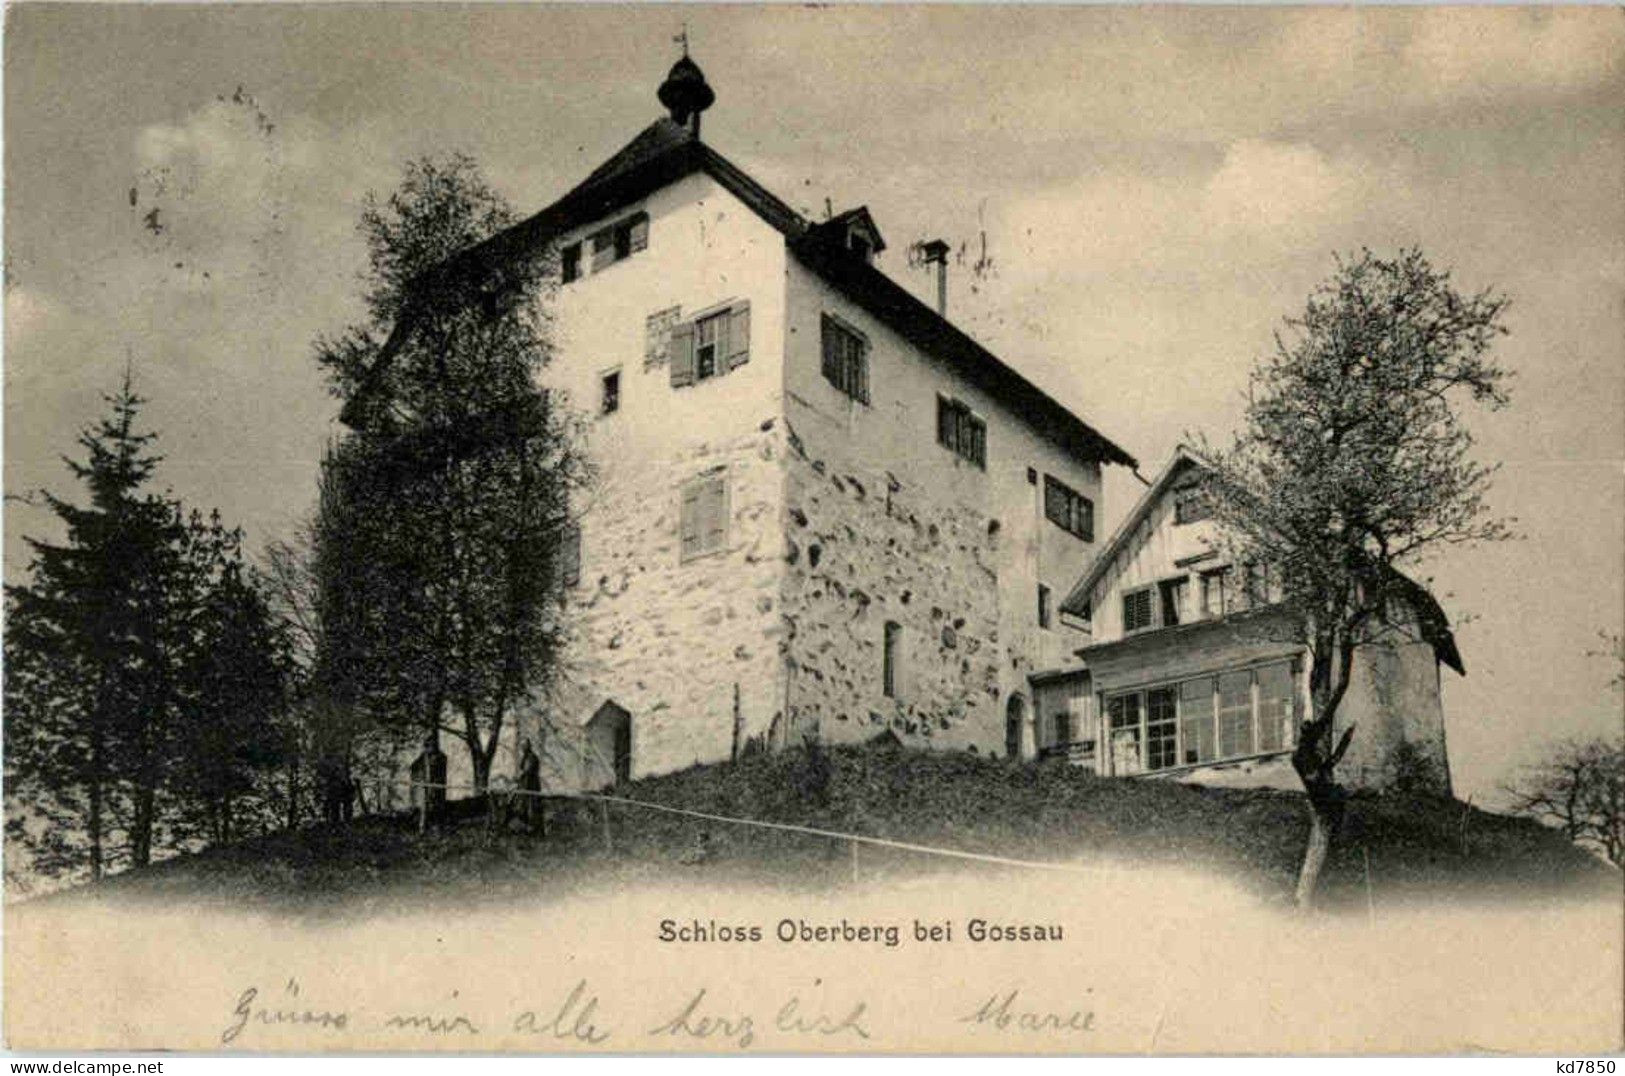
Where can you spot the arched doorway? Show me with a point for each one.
(1015, 716)
(609, 742)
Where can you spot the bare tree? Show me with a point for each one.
(1352, 464)
(1580, 789)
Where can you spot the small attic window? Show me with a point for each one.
(859, 244)
(610, 244)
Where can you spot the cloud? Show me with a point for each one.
(26, 311)
(1494, 52)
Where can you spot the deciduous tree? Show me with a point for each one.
(445, 506)
(1352, 464)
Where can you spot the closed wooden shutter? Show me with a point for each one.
(603, 249)
(703, 520)
(640, 232)
(716, 515)
(738, 335)
(690, 523)
(682, 355)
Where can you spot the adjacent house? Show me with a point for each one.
(1192, 669)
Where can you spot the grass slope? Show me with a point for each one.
(1416, 848)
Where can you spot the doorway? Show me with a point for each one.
(1015, 716)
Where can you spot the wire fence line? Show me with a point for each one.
(855, 839)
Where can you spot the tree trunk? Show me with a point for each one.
(141, 826)
(96, 805)
(1325, 818)
(293, 790)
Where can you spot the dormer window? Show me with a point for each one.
(853, 231)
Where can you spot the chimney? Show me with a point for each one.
(935, 250)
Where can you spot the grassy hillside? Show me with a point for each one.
(1430, 849)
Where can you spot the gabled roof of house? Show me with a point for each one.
(1183, 459)
(1431, 621)
(665, 152)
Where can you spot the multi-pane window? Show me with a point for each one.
(1138, 612)
(1124, 731)
(709, 334)
(1233, 714)
(891, 658)
(703, 519)
(1214, 601)
(960, 431)
(610, 400)
(1275, 694)
(1161, 728)
(1068, 509)
(1190, 505)
(846, 359)
(1045, 614)
(709, 346)
(1196, 721)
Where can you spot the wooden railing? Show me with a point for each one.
(1076, 752)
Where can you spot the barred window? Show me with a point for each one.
(846, 359)
(961, 431)
(1068, 509)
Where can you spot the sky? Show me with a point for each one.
(1137, 198)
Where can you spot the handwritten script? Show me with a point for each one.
(799, 1017)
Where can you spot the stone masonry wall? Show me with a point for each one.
(863, 549)
(671, 642)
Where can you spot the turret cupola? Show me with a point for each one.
(686, 94)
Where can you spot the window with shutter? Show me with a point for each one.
(608, 245)
(1137, 611)
(703, 518)
(710, 345)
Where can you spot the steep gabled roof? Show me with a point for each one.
(1431, 621)
(665, 152)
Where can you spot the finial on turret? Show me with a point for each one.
(685, 93)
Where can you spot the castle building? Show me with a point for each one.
(820, 509)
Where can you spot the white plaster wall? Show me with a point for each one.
(667, 640)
